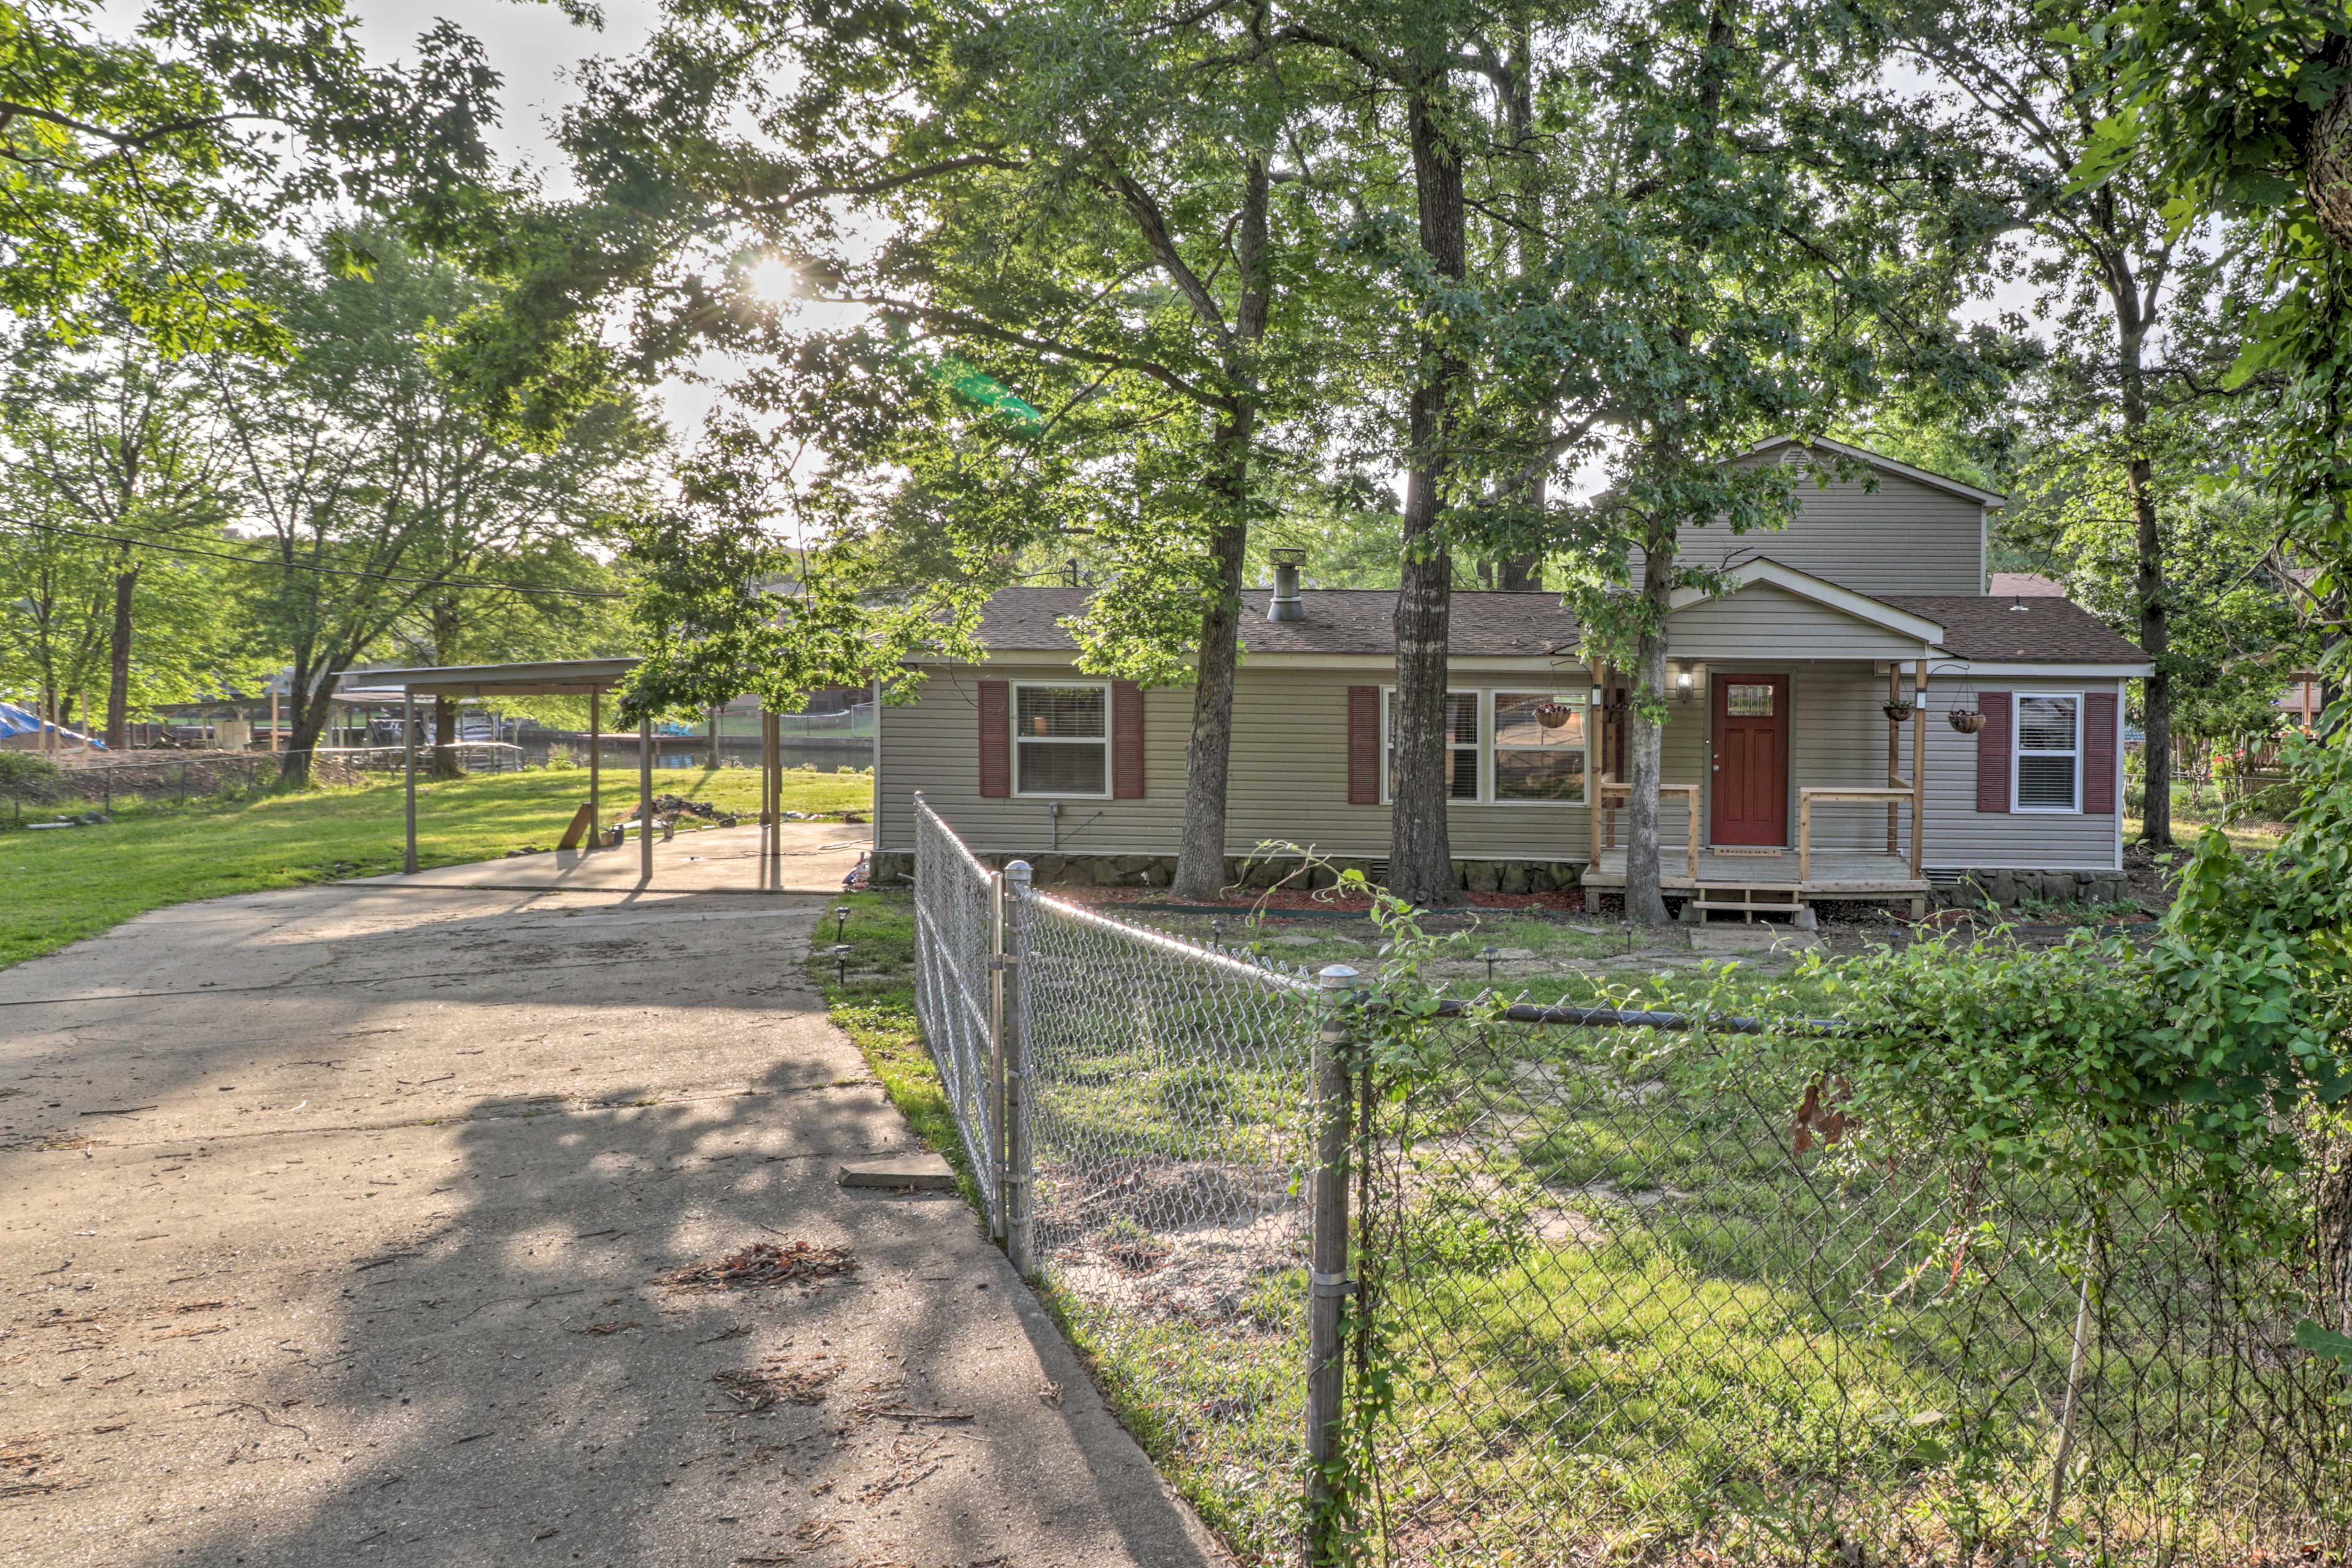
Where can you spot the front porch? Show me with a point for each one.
(1751, 882)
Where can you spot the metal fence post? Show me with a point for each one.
(1013, 1045)
(997, 968)
(1327, 1278)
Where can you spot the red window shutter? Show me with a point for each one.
(1992, 752)
(1363, 746)
(1126, 740)
(996, 738)
(2099, 754)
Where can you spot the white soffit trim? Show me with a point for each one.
(1863, 454)
(1963, 670)
(1821, 591)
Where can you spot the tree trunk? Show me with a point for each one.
(2332, 1217)
(2132, 324)
(1201, 860)
(1420, 855)
(2155, 637)
(444, 709)
(710, 739)
(308, 723)
(1645, 903)
(1201, 857)
(117, 679)
(2328, 155)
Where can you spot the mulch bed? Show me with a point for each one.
(761, 1265)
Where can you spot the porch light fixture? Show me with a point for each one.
(1599, 698)
(1686, 687)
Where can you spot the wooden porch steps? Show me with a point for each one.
(1747, 902)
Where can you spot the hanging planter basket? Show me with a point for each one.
(1899, 712)
(1552, 715)
(1967, 721)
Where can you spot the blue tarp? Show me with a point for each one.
(16, 720)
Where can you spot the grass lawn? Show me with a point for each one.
(68, 884)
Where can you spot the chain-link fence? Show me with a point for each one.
(1628, 1288)
(1665, 1296)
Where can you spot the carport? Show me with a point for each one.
(592, 678)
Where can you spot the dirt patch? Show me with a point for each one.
(760, 1266)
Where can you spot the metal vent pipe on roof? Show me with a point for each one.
(1287, 605)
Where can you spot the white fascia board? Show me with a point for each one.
(1963, 669)
(1821, 591)
(1863, 454)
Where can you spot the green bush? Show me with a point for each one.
(31, 779)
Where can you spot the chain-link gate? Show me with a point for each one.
(958, 935)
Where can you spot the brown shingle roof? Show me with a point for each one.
(2044, 631)
(1338, 620)
(1537, 625)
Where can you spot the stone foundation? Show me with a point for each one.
(897, 868)
(2006, 889)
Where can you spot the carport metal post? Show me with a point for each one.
(408, 752)
(645, 798)
(595, 745)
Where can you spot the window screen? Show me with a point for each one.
(1539, 748)
(1061, 740)
(1461, 743)
(2048, 752)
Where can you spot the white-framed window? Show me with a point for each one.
(1542, 754)
(2046, 762)
(1061, 738)
(1465, 738)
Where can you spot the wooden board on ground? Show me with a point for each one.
(583, 822)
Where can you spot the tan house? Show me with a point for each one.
(1853, 716)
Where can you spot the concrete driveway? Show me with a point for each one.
(333, 1231)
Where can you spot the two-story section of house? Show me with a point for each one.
(1851, 716)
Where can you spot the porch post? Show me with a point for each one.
(1894, 750)
(1595, 761)
(1918, 767)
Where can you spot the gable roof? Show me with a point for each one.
(2024, 631)
(1933, 480)
(1493, 625)
(1484, 625)
(1875, 611)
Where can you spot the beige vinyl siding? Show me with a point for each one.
(1961, 838)
(1902, 538)
(1761, 616)
(1288, 784)
(1289, 781)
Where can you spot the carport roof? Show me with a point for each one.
(548, 677)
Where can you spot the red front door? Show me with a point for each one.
(1751, 760)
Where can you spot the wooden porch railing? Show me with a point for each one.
(1892, 794)
(1611, 788)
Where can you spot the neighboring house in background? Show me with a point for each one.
(1786, 781)
(2026, 585)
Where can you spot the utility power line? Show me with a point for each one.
(280, 565)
